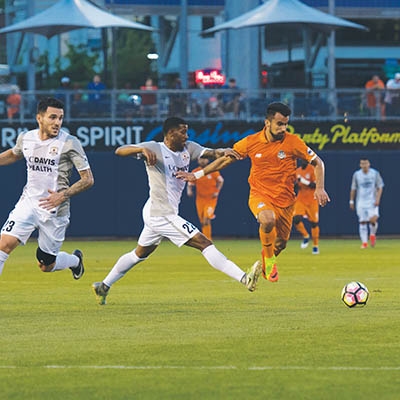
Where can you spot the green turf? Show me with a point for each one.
(174, 328)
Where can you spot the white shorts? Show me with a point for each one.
(24, 219)
(172, 227)
(366, 213)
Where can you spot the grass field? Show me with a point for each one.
(174, 328)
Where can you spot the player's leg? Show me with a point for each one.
(313, 216)
(16, 230)
(148, 241)
(208, 216)
(373, 225)
(204, 220)
(363, 226)
(299, 225)
(7, 245)
(220, 262)
(299, 211)
(50, 239)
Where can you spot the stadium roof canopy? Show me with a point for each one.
(68, 15)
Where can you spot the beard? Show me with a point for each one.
(277, 136)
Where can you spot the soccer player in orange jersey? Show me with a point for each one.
(306, 206)
(273, 152)
(207, 191)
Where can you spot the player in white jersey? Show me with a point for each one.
(366, 191)
(50, 154)
(160, 213)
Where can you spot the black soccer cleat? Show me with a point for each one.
(78, 271)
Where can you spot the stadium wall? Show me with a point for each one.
(112, 208)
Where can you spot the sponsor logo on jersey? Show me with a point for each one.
(41, 160)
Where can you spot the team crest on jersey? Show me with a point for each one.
(53, 151)
(281, 154)
(185, 157)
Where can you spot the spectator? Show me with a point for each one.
(198, 100)
(375, 89)
(149, 101)
(13, 103)
(65, 85)
(231, 97)
(96, 97)
(392, 98)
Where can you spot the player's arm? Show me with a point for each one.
(54, 199)
(352, 198)
(8, 157)
(378, 195)
(218, 184)
(190, 189)
(218, 153)
(320, 193)
(131, 150)
(216, 165)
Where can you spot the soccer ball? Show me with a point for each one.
(355, 294)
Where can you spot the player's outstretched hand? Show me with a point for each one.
(185, 176)
(150, 156)
(322, 197)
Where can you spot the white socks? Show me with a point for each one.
(3, 259)
(64, 261)
(373, 228)
(363, 230)
(217, 260)
(122, 266)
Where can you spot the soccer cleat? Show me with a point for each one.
(269, 269)
(372, 239)
(78, 271)
(304, 243)
(273, 276)
(100, 292)
(364, 246)
(315, 250)
(253, 275)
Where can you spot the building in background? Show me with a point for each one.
(278, 51)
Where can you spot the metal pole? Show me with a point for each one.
(331, 64)
(183, 32)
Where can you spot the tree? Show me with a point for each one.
(132, 47)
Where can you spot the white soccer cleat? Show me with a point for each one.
(253, 275)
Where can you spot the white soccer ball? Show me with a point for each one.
(355, 294)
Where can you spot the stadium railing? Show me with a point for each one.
(207, 104)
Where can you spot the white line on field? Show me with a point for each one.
(210, 368)
(223, 367)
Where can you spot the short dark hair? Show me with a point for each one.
(278, 107)
(172, 122)
(49, 102)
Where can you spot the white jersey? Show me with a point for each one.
(165, 189)
(49, 164)
(366, 185)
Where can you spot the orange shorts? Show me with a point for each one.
(206, 208)
(311, 211)
(283, 216)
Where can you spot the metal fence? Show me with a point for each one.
(209, 104)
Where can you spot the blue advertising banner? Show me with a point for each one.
(353, 135)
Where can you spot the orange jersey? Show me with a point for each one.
(206, 186)
(273, 165)
(305, 193)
